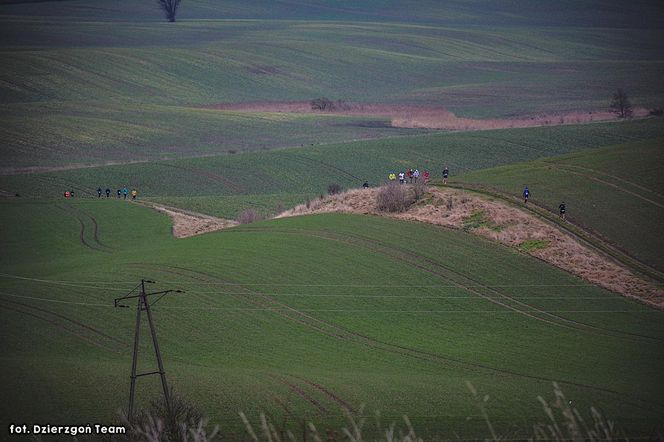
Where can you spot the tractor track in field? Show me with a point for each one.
(613, 186)
(597, 172)
(419, 262)
(400, 350)
(338, 400)
(42, 315)
(97, 245)
(300, 392)
(95, 233)
(583, 234)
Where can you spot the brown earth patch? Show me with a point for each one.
(502, 223)
(186, 223)
(423, 117)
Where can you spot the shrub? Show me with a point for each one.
(323, 104)
(394, 198)
(333, 189)
(186, 423)
(249, 216)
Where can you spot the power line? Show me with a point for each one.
(143, 304)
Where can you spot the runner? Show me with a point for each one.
(446, 173)
(392, 176)
(67, 194)
(365, 185)
(71, 193)
(108, 192)
(119, 193)
(526, 195)
(410, 175)
(426, 177)
(416, 174)
(562, 208)
(402, 177)
(99, 192)
(133, 194)
(125, 191)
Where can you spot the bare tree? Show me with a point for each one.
(170, 8)
(621, 105)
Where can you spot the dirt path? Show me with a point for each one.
(186, 223)
(504, 224)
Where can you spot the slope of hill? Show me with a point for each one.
(288, 176)
(78, 80)
(334, 309)
(617, 192)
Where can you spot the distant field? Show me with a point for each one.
(95, 133)
(312, 312)
(309, 170)
(617, 191)
(80, 85)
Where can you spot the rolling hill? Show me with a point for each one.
(312, 312)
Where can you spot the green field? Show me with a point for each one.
(300, 317)
(226, 185)
(82, 83)
(615, 191)
(365, 310)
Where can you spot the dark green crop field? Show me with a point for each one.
(314, 313)
(303, 318)
(82, 83)
(226, 185)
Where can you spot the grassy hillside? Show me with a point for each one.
(570, 13)
(81, 82)
(615, 191)
(309, 312)
(226, 185)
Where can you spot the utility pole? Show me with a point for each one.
(143, 304)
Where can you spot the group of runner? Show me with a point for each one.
(413, 175)
(121, 193)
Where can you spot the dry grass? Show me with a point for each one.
(502, 223)
(409, 116)
(563, 422)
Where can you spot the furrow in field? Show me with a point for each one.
(327, 392)
(360, 339)
(462, 281)
(614, 186)
(603, 174)
(303, 394)
(26, 310)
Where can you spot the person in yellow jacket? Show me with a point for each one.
(392, 176)
(133, 194)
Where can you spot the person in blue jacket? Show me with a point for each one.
(526, 194)
(125, 192)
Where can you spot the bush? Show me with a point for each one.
(333, 189)
(323, 104)
(249, 216)
(394, 198)
(154, 424)
(658, 112)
